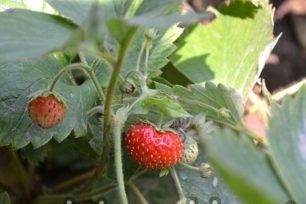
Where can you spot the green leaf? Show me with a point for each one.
(79, 10)
(35, 156)
(287, 139)
(91, 15)
(243, 167)
(165, 103)
(163, 6)
(118, 28)
(76, 10)
(231, 50)
(158, 21)
(205, 190)
(160, 191)
(162, 47)
(5, 198)
(96, 129)
(219, 103)
(18, 81)
(26, 34)
(107, 15)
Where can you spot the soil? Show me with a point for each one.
(287, 64)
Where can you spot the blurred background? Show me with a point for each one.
(287, 64)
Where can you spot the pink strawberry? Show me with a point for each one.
(46, 111)
(151, 148)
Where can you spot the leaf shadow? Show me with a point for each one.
(240, 9)
(198, 70)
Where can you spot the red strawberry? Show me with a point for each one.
(151, 148)
(46, 111)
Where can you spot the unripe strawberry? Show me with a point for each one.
(151, 148)
(191, 151)
(46, 111)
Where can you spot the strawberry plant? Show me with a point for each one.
(142, 102)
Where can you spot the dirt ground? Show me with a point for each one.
(287, 64)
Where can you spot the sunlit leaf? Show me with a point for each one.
(231, 50)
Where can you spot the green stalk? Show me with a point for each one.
(83, 58)
(113, 83)
(83, 67)
(139, 57)
(177, 184)
(97, 85)
(107, 57)
(137, 193)
(70, 67)
(118, 125)
(193, 168)
(102, 165)
(146, 67)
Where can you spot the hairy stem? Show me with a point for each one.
(177, 184)
(193, 168)
(101, 167)
(146, 67)
(78, 66)
(83, 58)
(62, 72)
(97, 85)
(138, 172)
(139, 57)
(118, 160)
(137, 193)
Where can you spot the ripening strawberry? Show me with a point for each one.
(46, 111)
(151, 148)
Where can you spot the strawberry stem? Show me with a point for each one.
(146, 67)
(108, 113)
(177, 184)
(139, 57)
(78, 66)
(160, 121)
(137, 193)
(118, 125)
(83, 58)
(193, 168)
